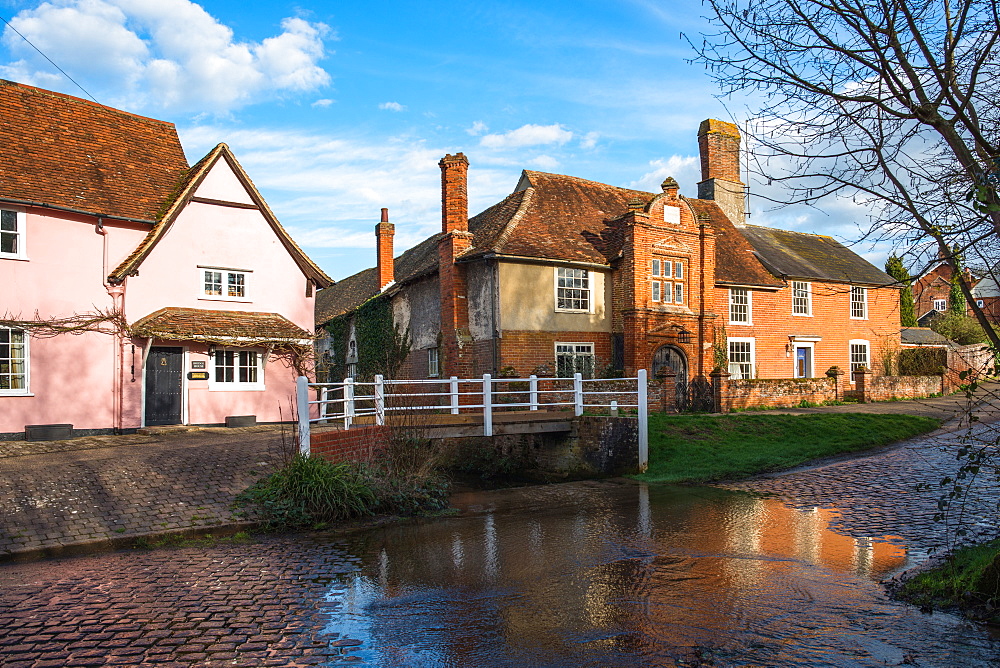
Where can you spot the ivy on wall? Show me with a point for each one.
(381, 346)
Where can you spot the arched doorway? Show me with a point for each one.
(674, 358)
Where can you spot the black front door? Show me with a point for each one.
(164, 368)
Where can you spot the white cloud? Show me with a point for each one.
(544, 162)
(327, 189)
(528, 135)
(392, 106)
(325, 102)
(683, 168)
(168, 54)
(478, 128)
(589, 140)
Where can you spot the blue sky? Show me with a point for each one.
(339, 109)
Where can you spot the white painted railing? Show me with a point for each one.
(349, 400)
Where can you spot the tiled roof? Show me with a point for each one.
(922, 336)
(180, 197)
(558, 217)
(799, 255)
(63, 151)
(246, 327)
(351, 292)
(735, 261)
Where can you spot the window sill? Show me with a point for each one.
(4, 393)
(234, 387)
(217, 298)
(20, 258)
(572, 310)
(803, 315)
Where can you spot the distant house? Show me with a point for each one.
(138, 290)
(567, 275)
(932, 292)
(987, 295)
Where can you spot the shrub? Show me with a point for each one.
(921, 361)
(960, 328)
(309, 491)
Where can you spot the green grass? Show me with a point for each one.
(701, 448)
(969, 579)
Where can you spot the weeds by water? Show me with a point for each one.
(968, 579)
(702, 448)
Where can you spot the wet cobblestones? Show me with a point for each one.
(895, 492)
(234, 605)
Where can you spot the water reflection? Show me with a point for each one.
(621, 574)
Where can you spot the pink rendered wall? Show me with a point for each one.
(71, 378)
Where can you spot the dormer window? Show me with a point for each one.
(225, 284)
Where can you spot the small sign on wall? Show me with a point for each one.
(197, 375)
(197, 364)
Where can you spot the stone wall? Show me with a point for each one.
(885, 388)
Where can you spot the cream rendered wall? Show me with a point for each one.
(528, 300)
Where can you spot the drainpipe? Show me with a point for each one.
(117, 293)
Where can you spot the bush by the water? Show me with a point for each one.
(309, 491)
(968, 579)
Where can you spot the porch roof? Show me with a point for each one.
(226, 327)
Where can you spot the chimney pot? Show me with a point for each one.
(719, 145)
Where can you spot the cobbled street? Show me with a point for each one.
(268, 602)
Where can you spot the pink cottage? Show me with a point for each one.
(136, 290)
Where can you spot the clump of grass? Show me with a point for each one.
(703, 448)
(309, 491)
(969, 579)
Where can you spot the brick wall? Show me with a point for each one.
(781, 393)
(885, 388)
(526, 351)
(830, 322)
(358, 444)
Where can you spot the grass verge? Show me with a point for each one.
(969, 580)
(702, 448)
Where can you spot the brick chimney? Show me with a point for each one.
(719, 144)
(384, 232)
(454, 193)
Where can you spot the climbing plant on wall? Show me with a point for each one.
(381, 346)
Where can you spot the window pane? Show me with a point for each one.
(8, 242)
(739, 305)
(236, 285)
(213, 283)
(8, 220)
(656, 291)
(13, 359)
(678, 270)
(656, 267)
(573, 289)
(668, 293)
(740, 359)
(678, 293)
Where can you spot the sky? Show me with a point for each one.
(337, 109)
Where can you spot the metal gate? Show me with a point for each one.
(669, 356)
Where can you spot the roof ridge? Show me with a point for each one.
(531, 172)
(51, 93)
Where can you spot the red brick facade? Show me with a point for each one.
(357, 444)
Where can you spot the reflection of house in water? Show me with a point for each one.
(627, 567)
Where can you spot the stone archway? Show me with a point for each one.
(674, 358)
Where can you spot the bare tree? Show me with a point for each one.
(894, 103)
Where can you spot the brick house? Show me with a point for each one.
(932, 293)
(567, 275)
(135, 289)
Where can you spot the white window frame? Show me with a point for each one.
(940, 305)
(581, 349)
(863, 302)
(225, 274)
(20, 234)
(679, 292)
(433, 362)
(587, 291)
(979, 303)
(753, 356)
(236, 385)
(26, 390)
(654, 291)
(667, 293)
(850, 354)
(749, 305)
(797, 287)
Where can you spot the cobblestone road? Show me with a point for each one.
(231, 605)
(59, 496)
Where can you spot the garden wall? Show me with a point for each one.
(358, 444)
